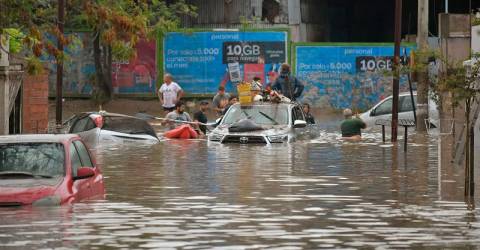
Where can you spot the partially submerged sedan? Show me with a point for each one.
(47, 170)
(261, 123)
(97, 127)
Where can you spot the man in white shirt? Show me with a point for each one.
(169, 93)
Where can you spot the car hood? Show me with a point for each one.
(26, 191)
(267, 130)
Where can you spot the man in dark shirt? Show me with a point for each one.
(200, 116)
(287, 84)
(308, 116)
(351, 127)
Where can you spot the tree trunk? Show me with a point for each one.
(107, 66)
(103, 93)
(422, 76)
(422, 100)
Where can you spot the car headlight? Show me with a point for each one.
(277, 138)
(52, 200)
(215, 137)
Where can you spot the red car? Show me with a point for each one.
(47, 170)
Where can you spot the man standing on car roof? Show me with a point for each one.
(351, 127)
(169, 93)
(287, 85)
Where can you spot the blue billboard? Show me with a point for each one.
(202, 61)
(347, 76)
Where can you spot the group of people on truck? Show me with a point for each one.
(285, 88)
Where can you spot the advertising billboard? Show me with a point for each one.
(202, 61)
(347, 76)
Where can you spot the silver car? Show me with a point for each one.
(383, 110)
(101, 127)
(261, 123)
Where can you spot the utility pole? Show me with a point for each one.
(396, 68)
(422, 75)
(58, 108)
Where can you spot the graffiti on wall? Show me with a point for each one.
(78, 69)
(346, 76)
(137, 75)
(200, 61)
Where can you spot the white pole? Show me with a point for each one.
(446, 6)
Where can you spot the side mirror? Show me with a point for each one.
(372, 113)
(84, 173)
(218, 120)
(299, 124)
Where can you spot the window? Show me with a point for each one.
(260, 114)
(79, 125)
(75, 160)
(384, 108)
(128, 125)
(34, 158)
(84, 156)
(406, 103)
(90, 124)
(297, 114)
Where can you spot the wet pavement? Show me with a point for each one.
(321, 193)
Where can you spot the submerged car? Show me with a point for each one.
(47, 170)
(97, 127)
(261, 123)
(383, 110)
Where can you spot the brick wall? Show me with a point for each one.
(35, 104)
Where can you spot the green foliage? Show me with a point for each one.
(247, 23)
(475, 20)
(461, 82)
(34, 66)
(16, 37)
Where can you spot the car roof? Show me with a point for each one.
(49, 138)
(105, 113)
(290, 104)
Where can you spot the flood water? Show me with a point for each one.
(321, 193)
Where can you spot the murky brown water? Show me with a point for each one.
(315, 194)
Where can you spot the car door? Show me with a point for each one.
(94, 183)
(405, 110)
(80, 188)
(382, 111)
(297, 114)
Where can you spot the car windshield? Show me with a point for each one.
(260, 114)
(127, 125)
(35, 159)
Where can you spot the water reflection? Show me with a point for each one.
(322, 193)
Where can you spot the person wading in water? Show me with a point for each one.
(351, 127)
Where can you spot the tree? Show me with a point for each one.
(117, 26)
(462, 84)
(31, 23)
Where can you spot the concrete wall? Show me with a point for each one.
(454, 33)
(10, 82)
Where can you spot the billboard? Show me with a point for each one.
(135, 76)
(347, 76)
(138, 75)
(202, 61)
